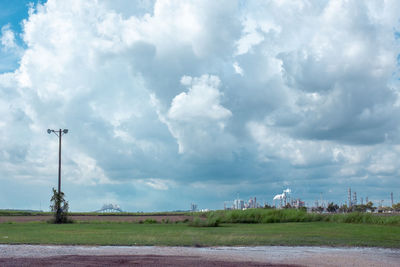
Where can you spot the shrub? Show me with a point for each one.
(59, 207)
(149, 221)
(209, 222)
(166, 221)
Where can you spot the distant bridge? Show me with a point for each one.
(110, 208)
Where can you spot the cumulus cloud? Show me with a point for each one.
(243, 96)
(8, 38)
(196, 118)
(85, 170)
(158, 184)
(10, 51)
(202, 100)
(275, 144)
(237, 68)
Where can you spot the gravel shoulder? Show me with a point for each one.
(18, 255)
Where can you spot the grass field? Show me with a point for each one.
(292, 234)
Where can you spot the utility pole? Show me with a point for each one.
(59, 161)
(349, 197)
(59, 133)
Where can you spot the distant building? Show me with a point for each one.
(297, 203)
(250, 204)
(282, 198)
(238, 204)
(193, 207)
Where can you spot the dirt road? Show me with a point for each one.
(38, 255)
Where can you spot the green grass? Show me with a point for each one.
(292, 234)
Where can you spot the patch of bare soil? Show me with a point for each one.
(107, 218)
(128, 260)
(132, 218)
(4, 219)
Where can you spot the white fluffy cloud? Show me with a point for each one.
(158, 184)
(8, 38)
(197, 119)
(256, 94)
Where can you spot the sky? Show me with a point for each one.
(170, 103)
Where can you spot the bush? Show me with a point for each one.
(59, 207)
(166, 221)
(148, 221)
(209, 222)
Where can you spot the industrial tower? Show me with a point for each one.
(391, 198)
(349, 197)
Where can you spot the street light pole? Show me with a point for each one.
(59, 133)
(59, 161)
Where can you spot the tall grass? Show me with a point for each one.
(368, 218)
(293, 215)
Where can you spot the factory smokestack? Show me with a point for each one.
(354, 198)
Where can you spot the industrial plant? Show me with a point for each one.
(286, 200)
(279, 201)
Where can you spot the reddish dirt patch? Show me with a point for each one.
(132, 218)
(140, 260)
(24, 218)
(103, 218)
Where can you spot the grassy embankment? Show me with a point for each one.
(247, 228)
(293, 215)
